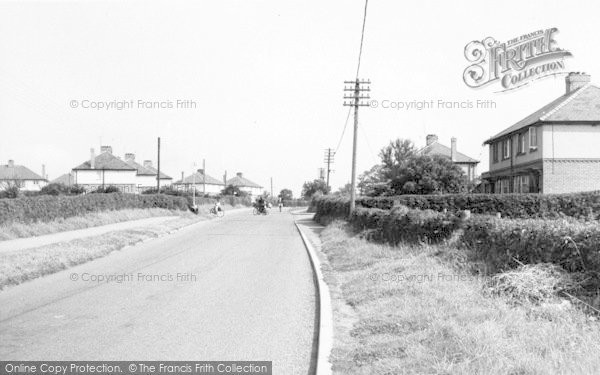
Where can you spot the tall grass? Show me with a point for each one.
(418, 310)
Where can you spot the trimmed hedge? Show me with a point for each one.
(47, 208)
(573, 245)
(404, 225)
(501, 243)
(578, 205)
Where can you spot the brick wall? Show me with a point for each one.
(570, 175)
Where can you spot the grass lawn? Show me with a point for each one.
(419, 310)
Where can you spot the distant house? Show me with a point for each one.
(165, 180)
(67, 179)
(202, 182)
(22, 177)
(105, 170)
(145, 177)
(466, 163)
(245, 185)
(553, 150)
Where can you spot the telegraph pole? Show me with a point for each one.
(329, 155)
(158, 169)
(271, 187)
(357, 100)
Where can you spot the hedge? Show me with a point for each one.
(578, 205)
(47, 208)
(501, 243)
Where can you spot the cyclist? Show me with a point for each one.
(261, 205)
(217, 207)
(280, 203)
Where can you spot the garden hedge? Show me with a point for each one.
(46, 207)
(578, 205)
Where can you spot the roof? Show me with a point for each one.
(65, 179)
(198, 178)
(141, 170)
(18, 172)
(106, 161)
(242, 182)
(437, 148)
(154, 171)
(578, 106)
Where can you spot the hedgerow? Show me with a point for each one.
(501, 243)
(578, 205)
(47, 208)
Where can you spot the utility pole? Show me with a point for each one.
(322, 174)
(271, 186)
(357, 100)
(329, 155)
(158, 169)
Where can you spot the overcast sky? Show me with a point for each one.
(266, 77)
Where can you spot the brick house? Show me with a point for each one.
(22, 177)
(466, 163)
(553, 150)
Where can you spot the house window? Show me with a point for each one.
(495, 152)
(506, 149)
(521, 143)
(521, 184)
(502, 186)
(533, 138)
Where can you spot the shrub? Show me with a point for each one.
(47, 207)
(578, 205)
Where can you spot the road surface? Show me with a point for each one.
(234, 288)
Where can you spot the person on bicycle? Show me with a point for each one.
(280, 203)
(217, 206)
(261, 205)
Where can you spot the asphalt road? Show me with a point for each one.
(235, 288)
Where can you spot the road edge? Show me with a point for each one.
(325, 334)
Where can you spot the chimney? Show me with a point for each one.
(92, 158)
(11, 163)
(201, 171)
(104, 149)
(182, 177)
(225, 179)
(148, 163)
(44, 171)
(239, 174)
(431, 138)
(129, 157)
(575, 81)
(453, 149)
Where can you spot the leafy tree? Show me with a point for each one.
(311, 187)
(394, 156)
(286, 194)
(344, 190)
(373, 182)
(428, 175)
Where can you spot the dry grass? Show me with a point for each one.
(19, 266)
(19, 230)
(415, 312)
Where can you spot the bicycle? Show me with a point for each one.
(219, 213)
(258, 211)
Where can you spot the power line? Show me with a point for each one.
(362, 36)
(344, 130)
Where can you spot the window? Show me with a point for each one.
(521, 143)
(521, 184)
(506, 149)
(533, 138)
(495, 152)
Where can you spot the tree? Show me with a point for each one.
(395, 155)
(286, 194)
(428, 175)
(311, 187)
(372, 182)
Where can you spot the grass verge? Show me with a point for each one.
(420, 310)
(19, 266)
(19, 230)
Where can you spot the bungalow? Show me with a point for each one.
(554, 149)
(165, 180)
(467, 164)
(67, 179)
(202, 182)
(145, 177)
(245, 185)
(22, 177)
(105, 170)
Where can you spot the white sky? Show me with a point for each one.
(267, 77)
